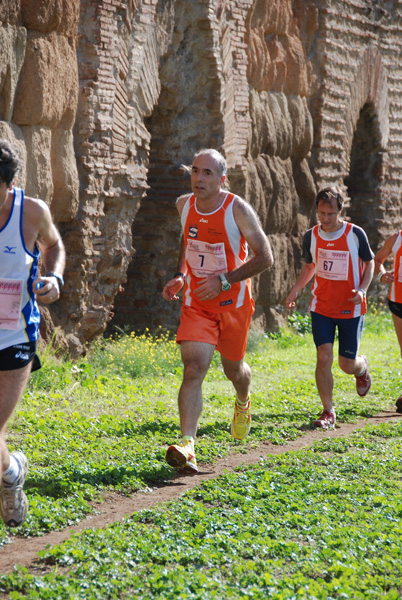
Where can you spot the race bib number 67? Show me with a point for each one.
(333, 264)
(206, 259)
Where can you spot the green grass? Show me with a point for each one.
(320, 523)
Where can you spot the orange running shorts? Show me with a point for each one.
(227, 331)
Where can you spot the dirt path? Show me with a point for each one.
(23, 551)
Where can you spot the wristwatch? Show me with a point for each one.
(362, 291)
(58, 276)
(225, 284)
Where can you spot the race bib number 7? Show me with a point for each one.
(10, 302)
(206, 259)
(333, 264)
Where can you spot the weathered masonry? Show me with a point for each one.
(106, 99)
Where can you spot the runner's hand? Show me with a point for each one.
(290, 300)
(172, 288)
(46, 290)
(387, 277)
(209, 288)
(357, 298)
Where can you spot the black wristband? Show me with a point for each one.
(58, 276)
(178, 274)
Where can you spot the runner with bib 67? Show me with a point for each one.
(338, 254)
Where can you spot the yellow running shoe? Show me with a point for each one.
(182, 457)
(241, 422)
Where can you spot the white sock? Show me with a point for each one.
(11, 474)
(243, 404)
(188, 438)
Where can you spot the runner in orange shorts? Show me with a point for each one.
(218, 227)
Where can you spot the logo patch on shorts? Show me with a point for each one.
(226, 302)
(193, 231)
(22, 356)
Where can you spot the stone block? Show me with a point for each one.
(263, 136)
(47, 91)
(305, 185)
(10, 11)
(51, 15)
(296, 66)
(15, 136)
(39, 170)
(275, 284)
(273, 16)
(12, 51)
(278, 107)
(302, 126)
(64, 175)
(282, 212)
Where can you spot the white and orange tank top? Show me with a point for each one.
(338, 270)
(214, 245)
(395, 291)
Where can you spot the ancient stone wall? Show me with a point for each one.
(223, 86)
(38, 102)
(358, 110)
(107, 99)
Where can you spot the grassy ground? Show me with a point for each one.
(319, 523)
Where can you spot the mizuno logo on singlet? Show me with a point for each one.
(9, 249)
(203, 220)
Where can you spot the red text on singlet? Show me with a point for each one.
(214, 245)
(338, 270)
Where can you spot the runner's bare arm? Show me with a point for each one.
(368, 272)
(49, 241)
(306, 274)
(381, 256)
(181, 201)
(174, 285)
(250, 226)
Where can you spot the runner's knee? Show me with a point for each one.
(194, 368)
(324, 357)
(237, 371)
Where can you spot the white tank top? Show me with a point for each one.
(19, 312)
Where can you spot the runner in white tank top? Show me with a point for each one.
(26, 229)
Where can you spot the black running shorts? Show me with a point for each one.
(19, 356)
(395, 308)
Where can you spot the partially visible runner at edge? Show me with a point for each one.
(393, 245)
(338, 254)
(217, 229)
(26, 229)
